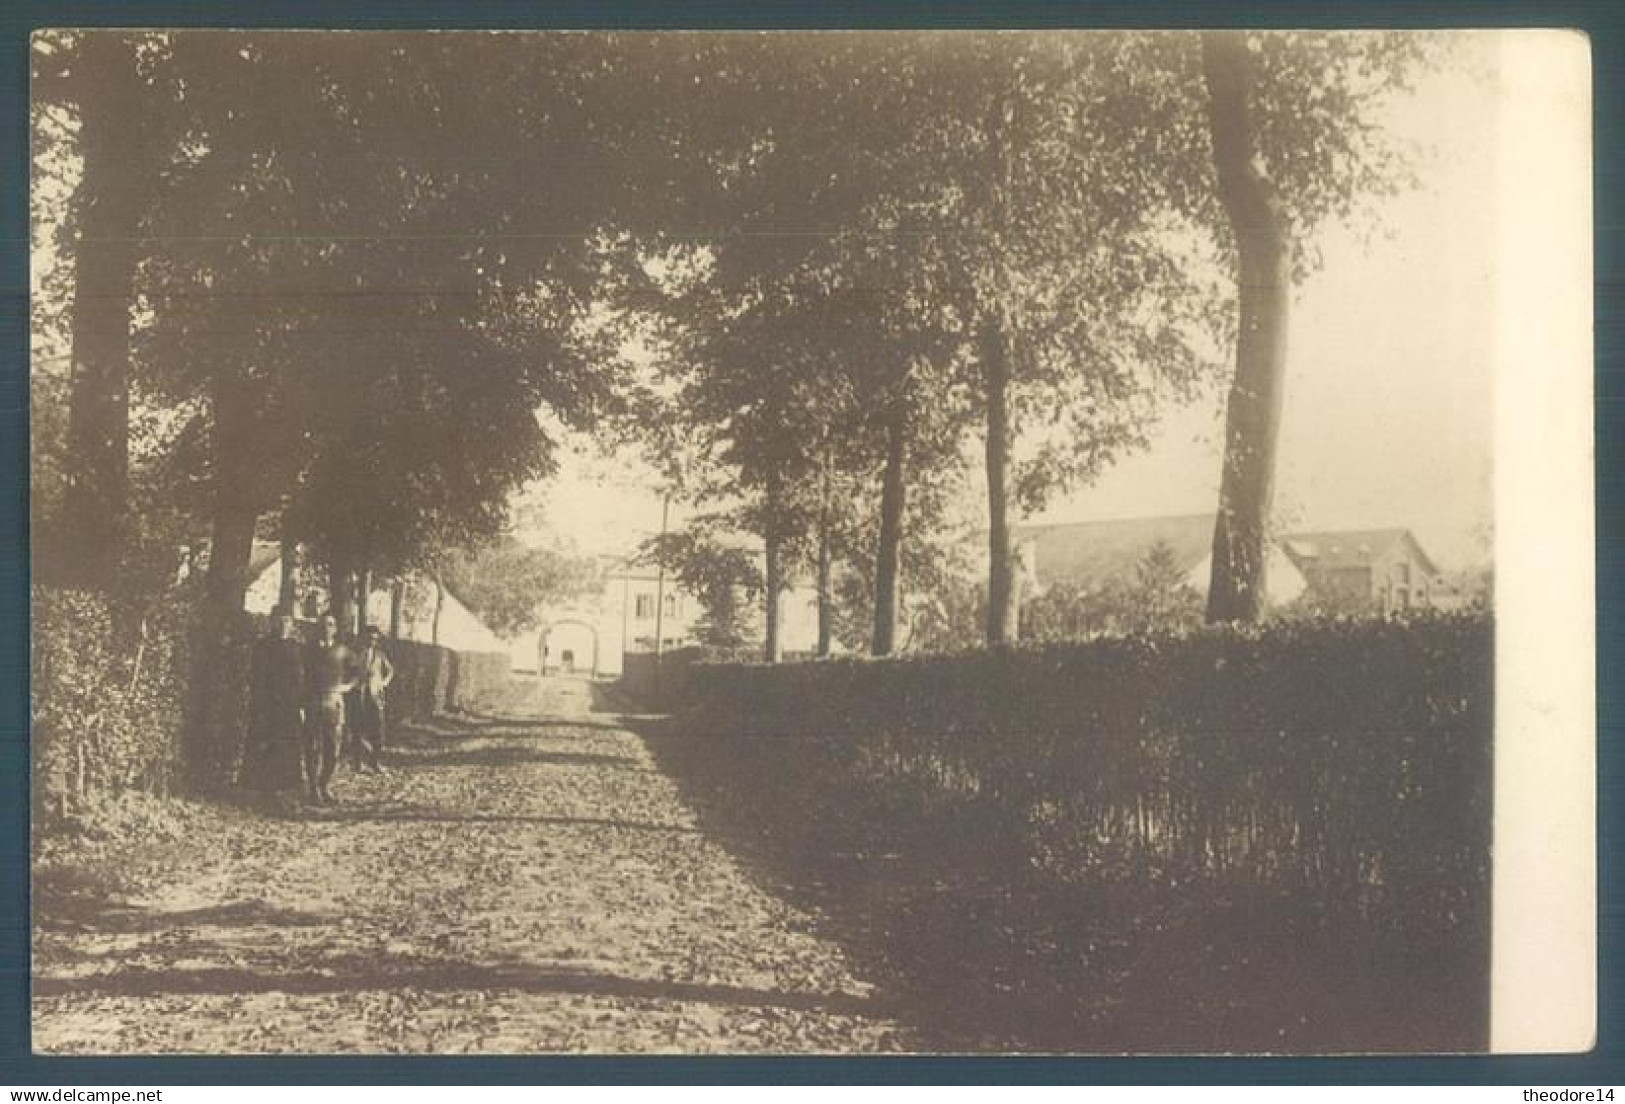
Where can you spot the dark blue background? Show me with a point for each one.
(1603, 20)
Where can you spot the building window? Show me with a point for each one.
(1405, 574)
(671, 605)
(646, 607)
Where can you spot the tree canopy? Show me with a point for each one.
(509, 584)
(351, 287)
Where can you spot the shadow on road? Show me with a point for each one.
(64, 912)
(915, 911)
(408, 814)
(472, 726)
(501, 755)
(422, 974)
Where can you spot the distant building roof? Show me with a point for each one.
(1350, 548)
(1094, 553)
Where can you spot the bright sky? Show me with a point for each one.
(600, 506)
(1388, 414)
(1388, 417)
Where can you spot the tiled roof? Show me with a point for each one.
(1094, 553)
(1348, 548)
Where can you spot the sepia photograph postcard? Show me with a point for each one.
(811, 542)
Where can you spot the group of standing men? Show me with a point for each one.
(310, 700)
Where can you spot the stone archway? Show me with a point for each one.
(544, 660)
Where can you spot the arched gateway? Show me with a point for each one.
(566, 660)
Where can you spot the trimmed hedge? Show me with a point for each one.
(659, 683)
(109, 686)
(420, 679)
(473, 679)
(1258, 840)
(1346, 764)
(431, 679)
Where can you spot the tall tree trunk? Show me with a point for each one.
(997, 332)
(439, 605)
(397, 607)
(288, 589)
(660, 591)
(216, 679)
(230, 546)
(210, 733)
(341, 589)
(1003, 586)
(91, 536)
(826, 600)
(772, 649)
(363, 613)
(826, 516)
(889, 554)
(1238, 587)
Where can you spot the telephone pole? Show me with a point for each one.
(660, 585)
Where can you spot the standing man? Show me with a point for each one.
(377, 672)
(332, 672)
(277, 700)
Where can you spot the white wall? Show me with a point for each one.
(614, 612)
(264, 591)
(798, 619)
(460, 629)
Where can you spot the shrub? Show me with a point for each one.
(1350, 758)
(108, 680)
(109, 692)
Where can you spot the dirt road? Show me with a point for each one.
(522, 882)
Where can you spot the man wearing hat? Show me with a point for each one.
(377, 672)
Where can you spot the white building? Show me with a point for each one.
(592, 634)
(459, 629)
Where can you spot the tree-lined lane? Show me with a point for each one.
(518, 883)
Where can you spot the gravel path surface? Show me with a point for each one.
(522, 882)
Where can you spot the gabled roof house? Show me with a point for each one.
(1098, 554)
(460, 628)
(1383, 570)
